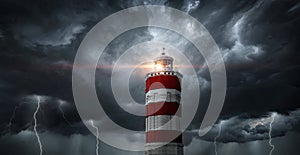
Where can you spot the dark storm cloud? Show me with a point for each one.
(53, 143)
(32, 35)
(256, 44)
(60, 24)
(1, 34)
(39, 37)
(259, 41)
(54, 115)
(246, 128)
(283, 145)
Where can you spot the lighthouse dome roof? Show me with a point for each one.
(163, 56)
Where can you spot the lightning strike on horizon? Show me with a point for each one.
(10, 123)
(270, 133)
(35, 125)
(219, 134)
(97, 137)
(63, 113)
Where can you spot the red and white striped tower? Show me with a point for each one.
(163, 93)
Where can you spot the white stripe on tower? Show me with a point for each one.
(163, 122)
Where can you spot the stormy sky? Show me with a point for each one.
(258, 39)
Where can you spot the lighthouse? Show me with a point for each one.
(163, 94)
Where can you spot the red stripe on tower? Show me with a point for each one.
(164, 136)
(163, 93)
(166, 81)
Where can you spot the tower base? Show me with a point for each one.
(168, 149)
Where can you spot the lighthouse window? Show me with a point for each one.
(155, 97)
(147, 98)
(168, 96)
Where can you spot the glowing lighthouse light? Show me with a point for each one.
(163, 63)
(163, 94)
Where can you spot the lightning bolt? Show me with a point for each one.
(64, 116)
(10, 123)
(97, 137)
(35, 125)
(270, 134)
(219, 134)
(12, 118)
